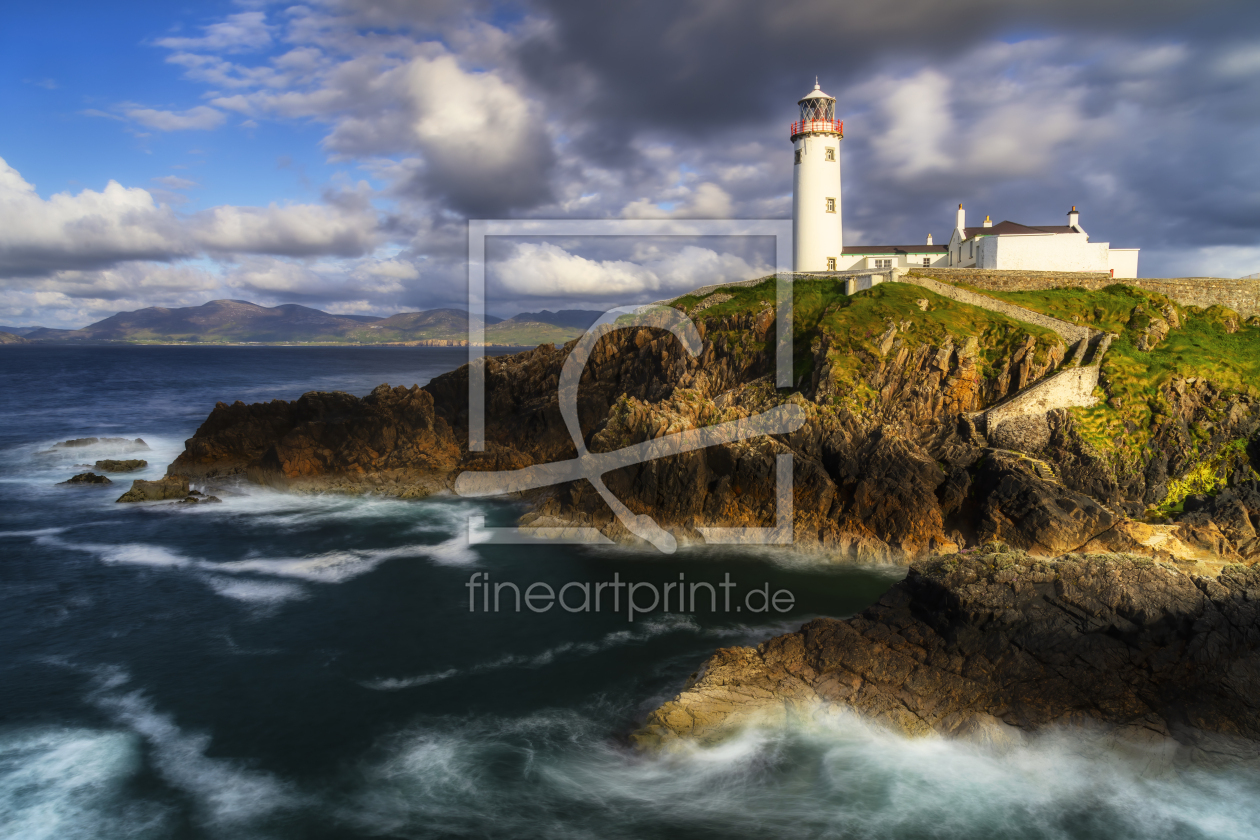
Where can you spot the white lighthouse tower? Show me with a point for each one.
(817, 232)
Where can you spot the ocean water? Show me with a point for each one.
(308, 666)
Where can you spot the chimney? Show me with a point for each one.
(988, 222)
(929, 239)
(961, 223)
(1074, 218)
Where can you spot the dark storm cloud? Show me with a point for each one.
(697, 64)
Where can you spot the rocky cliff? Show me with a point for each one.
(986, 641)
(888, 466)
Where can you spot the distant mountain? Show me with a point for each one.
(576, 318)
(19, 330)
(239, 321)
(10, 338)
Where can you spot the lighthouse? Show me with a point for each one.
(817, 237)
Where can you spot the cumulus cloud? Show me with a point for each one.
(87, 230)
(706, 201)
(549, 271)
(477, 142)
(119, 224)
(290, 230)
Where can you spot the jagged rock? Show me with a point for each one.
(170, 487)
(87, 478)
(980, 642)
(1156, 479)
(196, 498)
(129, 465)
(1023, 434)
(1025, 506)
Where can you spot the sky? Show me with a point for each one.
(331, 153)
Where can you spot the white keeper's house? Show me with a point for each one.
(818, 231)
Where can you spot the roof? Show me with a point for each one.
(816, 93)
(1016, 228)
(894, 249)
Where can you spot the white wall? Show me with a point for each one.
(1041, 252)
(1123, 262)
(816, 234)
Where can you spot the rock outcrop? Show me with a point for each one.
(120, 443)
(170, 487)
(87, 478)
(128, 465)
(973, 643)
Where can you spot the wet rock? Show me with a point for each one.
(121, 443)
(170, 487)
(195, 498)
(129, 465)
(1002, 637)
(87, 478)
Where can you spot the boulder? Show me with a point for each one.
(129, 465)
(1025, 506)
(88, 478)
(171, 487)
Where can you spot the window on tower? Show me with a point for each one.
(831, 263)
(798, 156)
(831, 154)
(831, 205)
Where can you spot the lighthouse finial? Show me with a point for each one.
(816, 87)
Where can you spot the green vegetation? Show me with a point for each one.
(855, 325)
(1202, 347)
(1206, 478)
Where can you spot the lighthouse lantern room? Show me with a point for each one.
(817, 231)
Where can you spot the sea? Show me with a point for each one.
(319, 666)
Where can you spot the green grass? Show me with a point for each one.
(1202, 347)
(854, 325)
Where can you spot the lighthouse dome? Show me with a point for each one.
(816, 93)
(816, 105)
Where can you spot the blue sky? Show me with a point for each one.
(330, 154)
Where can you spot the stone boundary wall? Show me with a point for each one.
(1242, 296)
(1071, 333)
(1068, 388)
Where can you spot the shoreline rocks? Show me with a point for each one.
(976, 642)
(87, 478)
(165, 489)
(129, 465)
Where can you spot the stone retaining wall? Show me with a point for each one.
(1242, 296)
(1068, 388)
(1071, 333)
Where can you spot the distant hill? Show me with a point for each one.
(10, 338)
(239, 321)
(19, 330)
(577, 318)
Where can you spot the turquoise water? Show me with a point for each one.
(308, 666)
